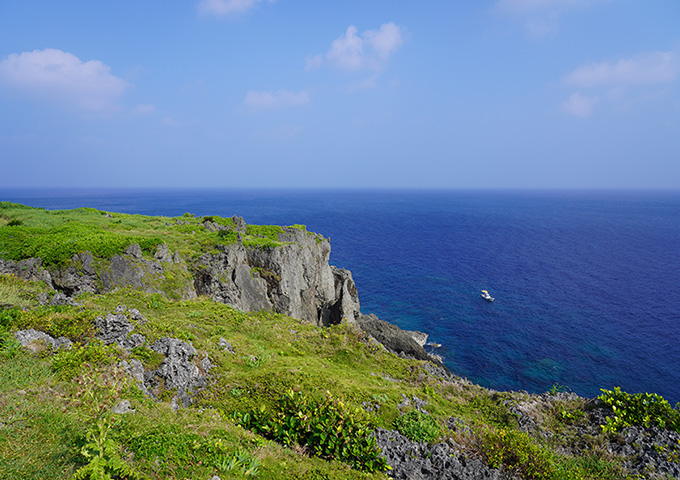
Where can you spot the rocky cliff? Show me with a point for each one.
(288, 274)
(293, 278)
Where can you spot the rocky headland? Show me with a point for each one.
(286, 271)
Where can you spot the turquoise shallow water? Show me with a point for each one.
(587, 284)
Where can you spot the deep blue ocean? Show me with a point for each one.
(587, 284)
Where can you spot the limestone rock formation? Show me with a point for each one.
(28, 269)
(35, 341)
(394, 339)
(294, 279)
(419, 461)
(178, 370)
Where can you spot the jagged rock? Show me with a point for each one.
(417, 402)
(163, 253)
(115, 328)
(395, 339)
(438, 371)
(418, 461)
(136, 315)
(419, 337)
(28, 269)
(226, 345)
(34, 340)
(78, 277)
(61, 299)
(652, 452)
(177, 370)
(239, 223)
(136, 370)
(206, 365)
(56, 299)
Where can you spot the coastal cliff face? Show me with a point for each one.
(293, 278)
(248, 267)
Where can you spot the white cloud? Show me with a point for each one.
(368, 51)
(274, 100)
(580, 105)
(540, 17)
(59, 76)
(144, 109)
(222, 8)
(646, 69)
(617, 82)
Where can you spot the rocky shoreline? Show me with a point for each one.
(295, 279)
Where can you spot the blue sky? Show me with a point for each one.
(371, 93)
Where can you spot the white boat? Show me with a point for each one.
(485, 295)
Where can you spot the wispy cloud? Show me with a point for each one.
(368, 51)
(223, 8)
(612, 80)
(580, 105)
(645, 69)
(540, 17)
(62, 77)
(274, 100)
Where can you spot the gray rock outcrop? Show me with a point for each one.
(78, 277)
(116, 328)
(35, 341)
(178, 370)
(28, 269)
(294, 279)
(419, 461)
(395, 339)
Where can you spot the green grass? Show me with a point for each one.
(19, 293)
(274, 355)
(43, 431)
(56, 236)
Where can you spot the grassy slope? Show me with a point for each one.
(56, 235)
(43, 428)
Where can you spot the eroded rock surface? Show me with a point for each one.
(35, 340)
(178, 370)
(418, 461)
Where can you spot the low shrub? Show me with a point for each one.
(328, 428)
(98, 390)
(641, 409)
(517, 452)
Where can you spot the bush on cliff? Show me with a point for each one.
(639, 409)
(328, 428)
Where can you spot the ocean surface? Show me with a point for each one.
(587, 284)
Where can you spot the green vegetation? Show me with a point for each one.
(288, 403)
(641, 409)
(264, 413)
(328, 427)
(418, 426)
(55, 236)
